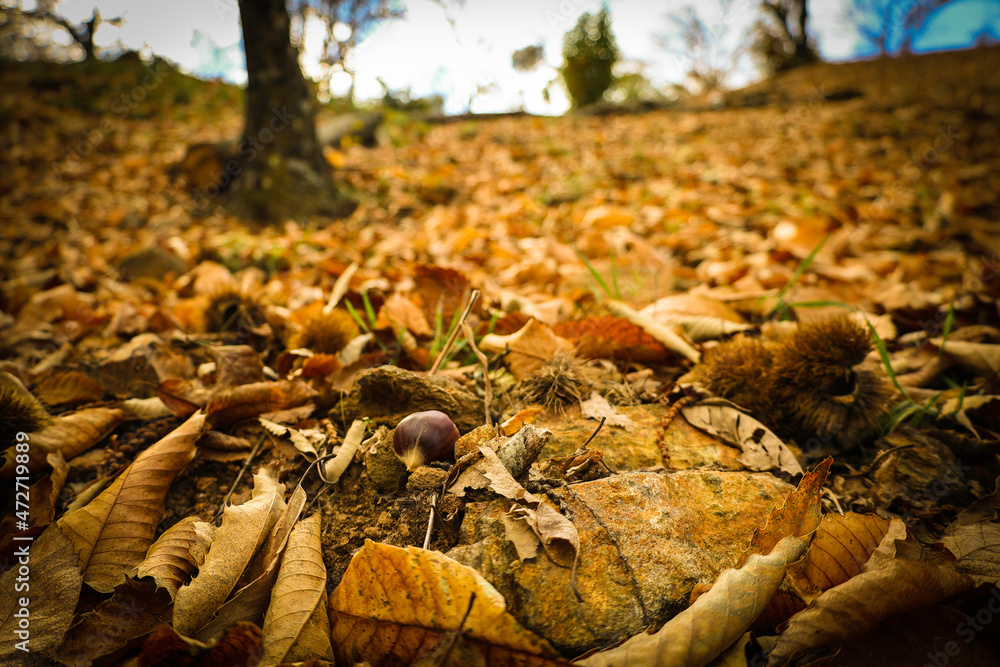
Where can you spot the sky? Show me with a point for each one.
(467, 59)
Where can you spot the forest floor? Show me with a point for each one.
(613, 255)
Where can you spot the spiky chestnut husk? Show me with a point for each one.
(326, 333)
(560, 382)
(233, 311)
(424, 437)
(20, 411)
(808, 385)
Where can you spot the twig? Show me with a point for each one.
(319, 472)
(594, 434)
(430, 522)
(239, 475)
(488, 399)
(871, 466)
(443, 660)
(833, 499)
(454, 333)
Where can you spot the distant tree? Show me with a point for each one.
(781, 38)
(633, 87)
(345, 24)
(589, 55)
(703, 49)
(890, 26)
(44, 12)
(528, 58)
(280, 172)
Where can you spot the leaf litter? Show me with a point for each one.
(754, 245)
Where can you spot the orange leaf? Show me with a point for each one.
(398, 606)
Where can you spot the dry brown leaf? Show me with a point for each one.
(701, 317)
(77, 432)
(241, 645)
(761, 449)
(985, 508)
(146, 408)
(69, 387)
(715, 620)
(597, 407)
(244, 529)
(71, 434)
(977, 548)
(169, 561)
(211, 278)
(112, 533)
(612, 338)
(440, 287)
(44, 493)
(959, 408)
(839, 550)
(51, 570)
(252, 400)
(134, 609)
(864, 601)
(529, 348)
(235, 365)
(664, 334)
(397, 606)
(399, 312)
(980, 358)
(183, 397)
(250, 601)
(671, 308)
(296, 625)
(799, 515)
(514, 424)
(298, 442)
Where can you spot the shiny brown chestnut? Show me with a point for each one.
(424, 437)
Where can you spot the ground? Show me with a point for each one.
(868, 189)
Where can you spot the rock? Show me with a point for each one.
(387, 394)
(646, 539)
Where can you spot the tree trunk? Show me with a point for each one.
(281, 172)
(785, 12)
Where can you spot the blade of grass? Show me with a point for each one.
(594, 274)
(454, 331)
(883, 354)
(438, 325)
(614, 277)
(356, 317)
(949, 321)
(821, 304)
(782, 307)
(369, 311)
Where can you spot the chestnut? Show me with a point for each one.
(423, 437)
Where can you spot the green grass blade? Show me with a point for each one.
(614, 277)
(821, 304)
(782, 308)
(356, 317)
(369, 311)
(883, 353)
(594, 274)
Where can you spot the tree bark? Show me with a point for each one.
(281, 172)
(784, 11)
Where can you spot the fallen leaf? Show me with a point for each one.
(169, 561)
(296, 625)
(112, 533)
(244, 528)
(762, 450)
(717, 619)
(401, 605)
